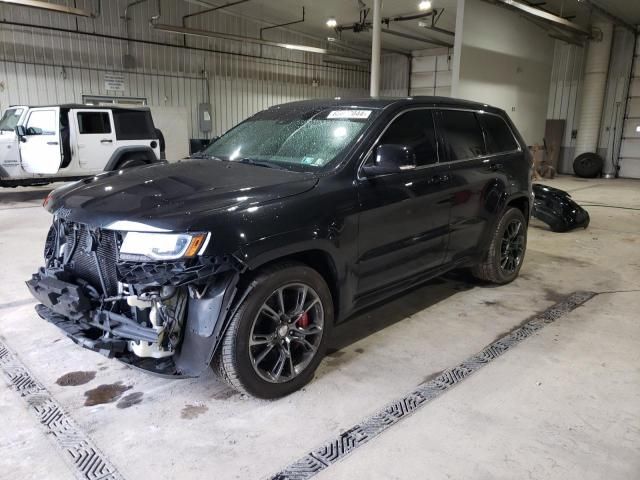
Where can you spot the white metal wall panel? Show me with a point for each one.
(566, 90)
(395, 76)
(42, 66)
(431, 72)
(629, 158)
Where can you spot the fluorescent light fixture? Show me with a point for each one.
(424, 5)
(51, 7)
(302, 48)
(332, 22)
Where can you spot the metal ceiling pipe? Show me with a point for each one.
(593, 89)
(430, 40)
(546, 17)
(51, 7)
(375, 48)
(237, 38)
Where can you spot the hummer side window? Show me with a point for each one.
(414, 129)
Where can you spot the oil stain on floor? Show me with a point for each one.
(105, 393)
(192, 411)
(73, 379)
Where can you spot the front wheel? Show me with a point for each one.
(506, 250)
(277, 336)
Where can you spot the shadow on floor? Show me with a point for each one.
(8, 195)
(385, 314)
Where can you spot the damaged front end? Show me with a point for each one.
(165, 316)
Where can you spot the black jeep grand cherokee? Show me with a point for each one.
(245, 257)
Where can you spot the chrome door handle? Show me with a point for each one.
(106, 140)
(52, 143)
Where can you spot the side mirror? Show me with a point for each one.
(21, 132)
(390, 158)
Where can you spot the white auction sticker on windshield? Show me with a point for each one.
(357, 114)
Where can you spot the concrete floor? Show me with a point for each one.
(563, 404)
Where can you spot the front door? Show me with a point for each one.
(95, 138)
(40, 147)
(404, 219)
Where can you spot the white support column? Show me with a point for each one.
(593, 89)
(375, 48)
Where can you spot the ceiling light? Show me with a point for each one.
(424, 5)
(332, 22)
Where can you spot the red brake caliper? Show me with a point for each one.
(303, 320)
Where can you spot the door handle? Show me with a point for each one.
(495, 167)
(438, 179)
(106, 140)
(52, 143)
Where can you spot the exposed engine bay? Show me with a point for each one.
(139, 311)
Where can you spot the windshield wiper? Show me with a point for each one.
(201, 155)
(260, 163)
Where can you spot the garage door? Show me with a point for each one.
(630, 146)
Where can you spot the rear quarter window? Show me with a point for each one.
(133, 125)
(497, 133)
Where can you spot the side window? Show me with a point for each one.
(414, 129)
(462, 134)
(497, 133)
(94, 122)
(42, 122)
(133, 125)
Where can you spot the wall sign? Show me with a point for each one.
(114, 81)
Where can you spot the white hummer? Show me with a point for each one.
(39, 145)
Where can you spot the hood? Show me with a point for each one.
(173, 197)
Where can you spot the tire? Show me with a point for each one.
(588, 165)
(492, 269)
(132, 161)
(254, 369)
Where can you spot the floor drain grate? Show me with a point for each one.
(334, 450)
(79, 451)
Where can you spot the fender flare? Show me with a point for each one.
(120, 152)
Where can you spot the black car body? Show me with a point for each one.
(363, 198)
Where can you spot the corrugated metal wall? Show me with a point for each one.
(629, 156)
(41, 65)
(566, 90)
(394, 80)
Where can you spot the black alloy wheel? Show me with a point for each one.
(277, 336)
(512, 246)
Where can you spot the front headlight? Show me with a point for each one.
(163, 246)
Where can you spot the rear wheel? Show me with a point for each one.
(277, 337)
(506, 250)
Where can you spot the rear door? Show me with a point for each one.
(476, 180)
(94, 138)
(404, 216)
(40, 148)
